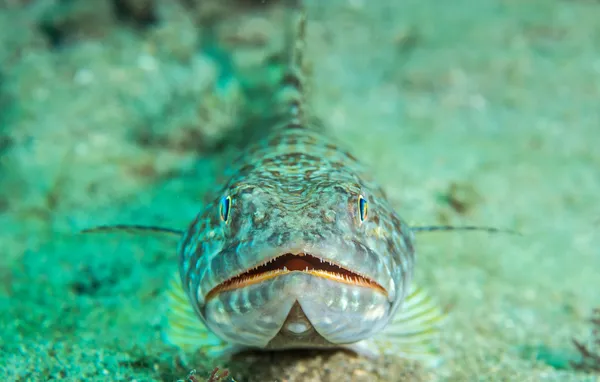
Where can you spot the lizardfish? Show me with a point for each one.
(300, 248)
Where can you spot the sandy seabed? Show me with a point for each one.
(469, 112)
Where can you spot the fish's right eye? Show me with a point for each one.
(225, 208)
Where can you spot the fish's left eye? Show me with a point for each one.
(225, 208)
(363, 208)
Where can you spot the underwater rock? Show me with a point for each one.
(68, 22)
(140, 12)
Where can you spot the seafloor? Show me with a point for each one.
(468, 112)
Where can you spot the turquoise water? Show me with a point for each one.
(467, 112)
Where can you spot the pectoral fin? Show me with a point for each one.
(413, 333)
(184, 329)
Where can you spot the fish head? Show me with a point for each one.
(277, 265)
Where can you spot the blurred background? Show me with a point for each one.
(468, 112)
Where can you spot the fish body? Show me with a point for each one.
(295, 204)
(300, 248)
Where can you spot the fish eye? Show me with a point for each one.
(363, 208)
(225, 208)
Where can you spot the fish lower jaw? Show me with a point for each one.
(295, 263)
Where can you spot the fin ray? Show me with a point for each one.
(132, 229)
(437, 228)
(184, 329)
(414, 331)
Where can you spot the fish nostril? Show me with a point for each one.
(330, 216)
(258, 216)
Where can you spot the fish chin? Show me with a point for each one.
(297, 309)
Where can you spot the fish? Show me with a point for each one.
(299, 249)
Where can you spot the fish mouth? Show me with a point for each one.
(295, 262)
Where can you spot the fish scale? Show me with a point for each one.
(305, 190)
(299, 248)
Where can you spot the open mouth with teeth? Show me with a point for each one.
(300, 262)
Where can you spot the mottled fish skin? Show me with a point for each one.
(296, 191)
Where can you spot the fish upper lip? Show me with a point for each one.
(278, 265)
